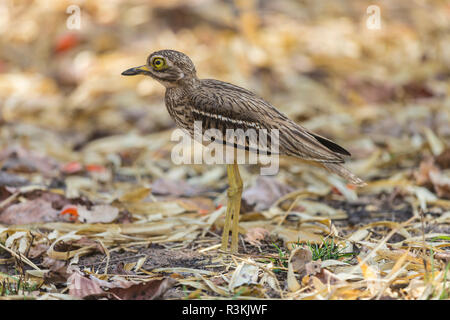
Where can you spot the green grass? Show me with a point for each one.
(282, 260)
(15, 285)
(327, 250)
(445, 291)
(441, 238)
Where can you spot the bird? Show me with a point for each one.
(224, 106)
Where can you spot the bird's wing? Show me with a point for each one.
(297, 141)
(223, 106)
(220, 105)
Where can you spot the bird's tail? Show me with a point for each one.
(342, 171)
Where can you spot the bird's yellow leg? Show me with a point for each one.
(233, 207)
(227, 226)
(236, 199)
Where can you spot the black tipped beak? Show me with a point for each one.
(130, 72)
(135, 71)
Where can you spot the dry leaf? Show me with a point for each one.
(441, 184)
(244, 274)
(371, 276)
(97, 214)
(135, 195)
(150, 290)
(32, 211)
(255, 235)
(297, 263)
(265, 192)
(178, 188)
(81, 286)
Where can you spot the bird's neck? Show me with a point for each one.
(190, 82)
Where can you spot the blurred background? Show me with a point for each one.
(380, 90)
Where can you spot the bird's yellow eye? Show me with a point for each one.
(158, 63)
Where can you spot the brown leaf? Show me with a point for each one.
(177, 188)
(18, 159)
(199, 204)
(441, 184)
(29, 212)
(37, 250)
(429, 174)
(153, 289)
(254, 235)
(443, 256)
(53, 264)
(423, 174)
(81, 286)
(313, 267)
(443, 160)
(58, 276)
(370, 91)
(265, 192)
(325, 276)
(299, 259)
(120, 269)
(58, 273)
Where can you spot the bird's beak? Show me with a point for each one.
(137, 70)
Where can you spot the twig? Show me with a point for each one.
(20, 256)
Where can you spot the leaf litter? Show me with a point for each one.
(91, 206)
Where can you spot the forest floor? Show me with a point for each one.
(92, 207)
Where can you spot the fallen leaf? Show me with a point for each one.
(297, 264)
(13, 180)
(95, 168)
(37, 250)
(72, 167)
(199, 204)
(443, 256)
(325, 276)
(151, 290)
(96, 214)
(423, 174)
(255, 235)
(18, 159)
(430, 175)
(66, 42)
(441, 183)
(178, 188)
(371, 276)
(135, 195)
(244, 274)
(58, 271)
(313, 267)
(264, 193)
(443, 160)
(81, 286)
(415, 288)
(299, 258)
(32, 211)
(72, 211)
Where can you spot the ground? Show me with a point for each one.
(93, 207)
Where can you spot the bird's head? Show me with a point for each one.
(169, 67)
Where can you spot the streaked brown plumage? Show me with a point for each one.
(224, 106)
(220, 105)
